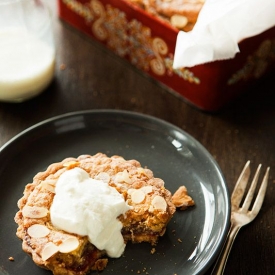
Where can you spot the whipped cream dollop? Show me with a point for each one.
(89, 207)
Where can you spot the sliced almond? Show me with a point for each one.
(141, 171)
(50, 181)
(47, 186)
(103, 176)
(123, 177)
(130, 191)
(147, 189)
(159, 203)
(49, 250)
(70, 164)
(178, 21)
(138, 196)
(68, 245)
(38, 231)
(34, 212)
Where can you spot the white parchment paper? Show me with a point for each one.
(221, 25)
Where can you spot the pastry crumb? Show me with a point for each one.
(62, 67)
(181, 199)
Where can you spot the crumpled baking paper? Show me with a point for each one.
(221, 25)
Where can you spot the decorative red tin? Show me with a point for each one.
(149, 43)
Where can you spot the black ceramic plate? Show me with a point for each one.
(193, 237)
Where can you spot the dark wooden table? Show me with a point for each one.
(94, 78)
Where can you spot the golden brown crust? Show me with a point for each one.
(152, 208)
(181, 199)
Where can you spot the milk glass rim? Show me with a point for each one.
(8, 2)
(12, 2)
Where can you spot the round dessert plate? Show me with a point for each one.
(193, 237)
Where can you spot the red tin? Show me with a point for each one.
(148, 43)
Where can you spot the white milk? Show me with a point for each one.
(26, 65)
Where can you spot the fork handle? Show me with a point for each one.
(223, 256)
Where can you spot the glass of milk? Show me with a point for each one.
(27, 51)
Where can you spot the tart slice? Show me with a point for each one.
(71, 213)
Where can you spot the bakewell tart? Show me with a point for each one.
(80, 211)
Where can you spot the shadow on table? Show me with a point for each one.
(254, 104)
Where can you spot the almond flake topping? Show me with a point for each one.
(50, 181)
(38, 231)
(68, 245)
(130, 191)
(103, 176)
(147, 189)
(123, 177)
(138, 196)
(159, 203)
(35, 212)
(49, 250)
(48, 186)
(141, 171)
(70, 164)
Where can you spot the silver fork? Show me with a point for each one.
(242, 213)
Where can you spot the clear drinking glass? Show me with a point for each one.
(27, 50)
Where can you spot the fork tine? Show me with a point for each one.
(241, 218)
(240, 186)
(251, 190)
(261, 194)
